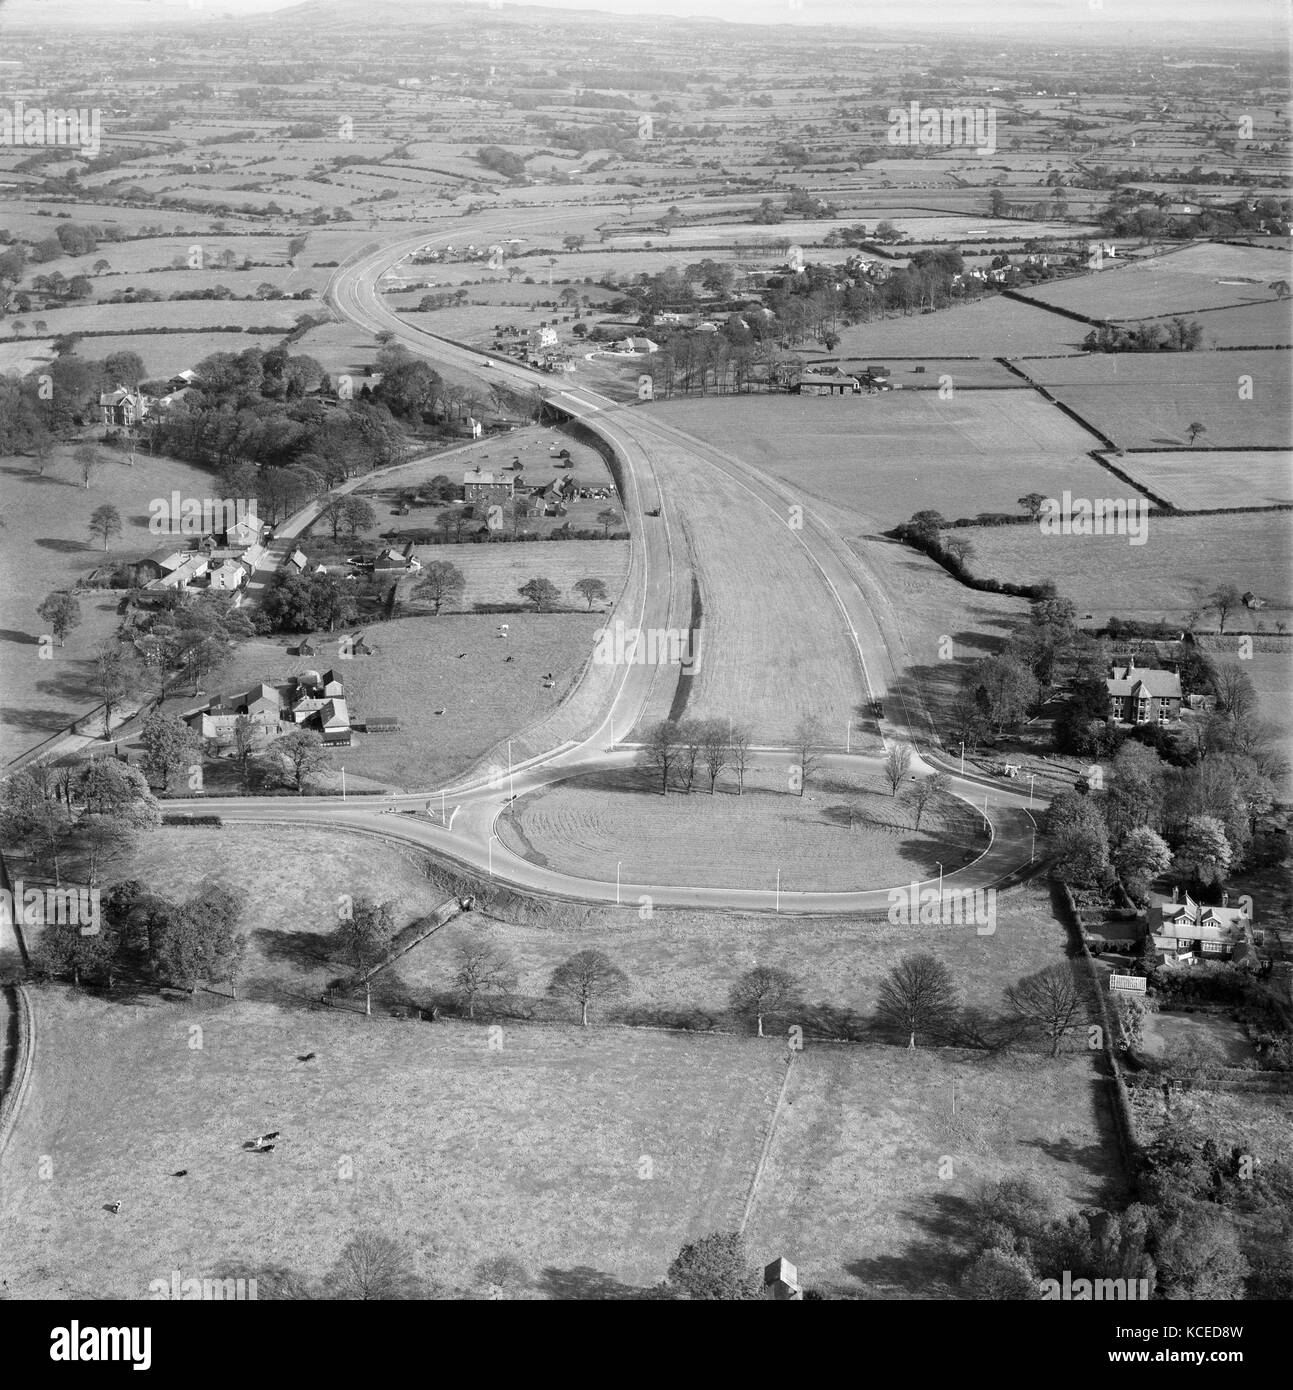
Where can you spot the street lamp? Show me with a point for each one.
(778, 899)
(1032, 777)
(343, 784)
(940, 882)
(962, 757)
(511, 789)
(618, 864)
(1032, 843)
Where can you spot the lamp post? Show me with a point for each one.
(777, 908)
(1032, 777)
(940, 882)
(343, 784)
(618, 864)
(1032, 843)
(962, 757)
(511, 789)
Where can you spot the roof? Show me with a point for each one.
(1138, 682)
(495, 479)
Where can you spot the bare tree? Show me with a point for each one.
(482, 971)
(373, 1267)
(1050, 1000)
(1225, 598)
(897, 764)
(762, 990)
(925, 792)
(714, 750)
(807, 747)
(587, 978)
(691, 742)
(738, 748)
(660, 750)
(917, 998)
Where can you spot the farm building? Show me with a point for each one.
(1146, 696)
(486, 487)
(809, 383)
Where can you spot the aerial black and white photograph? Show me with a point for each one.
(645, 656)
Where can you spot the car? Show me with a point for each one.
(487, 363)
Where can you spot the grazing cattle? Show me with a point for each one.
(113, 1207)
(461, 655)
(273, 1134)
(506, 659)
(308, 1057)
(265, 1149)
(180, 1173)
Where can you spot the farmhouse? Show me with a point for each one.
(402, 560)
(124, 406)
(262, 705)
(1146, 696)
(486, 487)
(1193, 930)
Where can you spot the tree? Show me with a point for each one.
(1225, 598)
(738, 746)
(1140, 857)
(997, 1274)
(245, 738)
(333, 511)
(897, 764)
(1195, 429)
(1198, 1255)
(105, 522)
(543, 593)
(591, 591)
(198, 939)
(441, 583)
(807, 747)
(716, 1267)
(61, 613)
(608, 517)
(357, 516)
(659, 751)
(116, 674)
(714, 749)
(366, 935)
(303, 749)
(373, 1267)
(482, 971)
(1050, 1001)
(109, 787)
(587, 978)
(1080, 855)
(926, 791)
(1235, 692)
(917, 998)
(87, 460)
(1006, 689)
(1203, 851)
(762, 990)
(169, 747)
(502, 1275)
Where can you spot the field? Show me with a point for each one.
(992, 327)
(1255, 325)
(534, 1150)
(1166, 577)
(873, 1159)
(453, 708)
(1197, 479)
(1144, 400)
(886, 456)
(46, 546)
(735, 841)
(1199, 277)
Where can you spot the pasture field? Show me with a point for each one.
(991, 327)
(46, 547)
(846, 831)
(1196, 480)
(453, 709)
(1165, 578)
(858, 1178)
(1270, 667)
(883, 457)
(1144, 399)
(195, 314)
(1256, 1122)
(164, 354)
(533, 1151)
(929, 373)
(494, 573)
(1255, 325)
(1200, 277)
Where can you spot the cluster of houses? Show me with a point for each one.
(223, 561)
(308, 700)
(483, 488)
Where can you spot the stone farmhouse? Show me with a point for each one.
(486, 487)
(308, 700)
(1193, 931)
(1143, 695)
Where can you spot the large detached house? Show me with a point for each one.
(124, 406)
(486, 487)
(1143, 696)
(1191, 930)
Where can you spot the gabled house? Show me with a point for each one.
(193, 567)
(486, 487)
(1196, 931)
(296, 562)
(824, 383)
(1143, 696)
(125, 407)
(227, 576)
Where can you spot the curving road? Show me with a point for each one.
(467, 831)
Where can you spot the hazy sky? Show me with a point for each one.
(1167, 17)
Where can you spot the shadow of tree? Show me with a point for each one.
(584, 1282)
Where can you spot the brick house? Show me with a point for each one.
(124, 407)
(1143, 696)
(1191, 930)
(486, 487)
